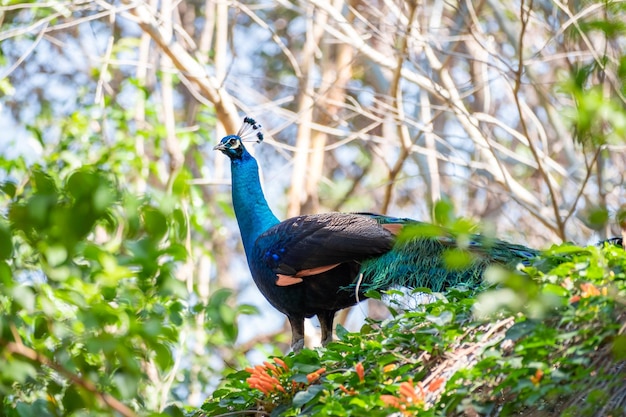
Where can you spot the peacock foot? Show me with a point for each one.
(327, 340)
(298, 345)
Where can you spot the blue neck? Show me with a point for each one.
(253, 214)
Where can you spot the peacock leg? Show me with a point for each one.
(297, 332)
(326, 319)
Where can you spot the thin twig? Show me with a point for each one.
(99, 95)
(398, 105)
(583, 185)
(525, 11)
(30, 49)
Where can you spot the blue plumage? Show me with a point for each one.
(310, 265)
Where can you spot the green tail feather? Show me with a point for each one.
(439, 262)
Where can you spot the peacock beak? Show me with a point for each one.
(219, 147)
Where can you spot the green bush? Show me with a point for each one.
(92, 313)
(555, 347)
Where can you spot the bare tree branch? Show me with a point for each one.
(190, 67)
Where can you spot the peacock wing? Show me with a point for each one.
(311, 244)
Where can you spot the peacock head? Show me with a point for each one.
(232, 145)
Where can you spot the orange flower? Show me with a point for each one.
(407, 397)
(391, 400)
(314, 376)
(360, 371)
(347, 391)
(434, 386)
(535, 379)
(589, 290)
(261, 378)
(390, 367)
(281, 363)
(574, 299)
(270, 366)
(264, 385)
(407, 390)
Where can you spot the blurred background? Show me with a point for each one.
(511, 112)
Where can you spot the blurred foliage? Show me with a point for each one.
(104, 308)
(597, 114)
(96, 313)
(544, 340)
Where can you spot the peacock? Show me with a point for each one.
(318, 264)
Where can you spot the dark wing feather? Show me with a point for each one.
(315, 241)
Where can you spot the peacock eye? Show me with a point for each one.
(232, 142)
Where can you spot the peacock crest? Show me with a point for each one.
(250, 131)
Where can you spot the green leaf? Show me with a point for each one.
(73, 399)
(17, 370)
(127, 384)
(9, 189)
(303, 397)
(24, 296)
(177, 313)
(597, 217)
(177, 251)
(247, 309)
(443, 212)
(41, 327)
(421, 230)
(373, 294)
(180, 187)
(357, 402)
(173, 410)
(180, 224)
(220, 297)
(39, 408)
(6, 242)
(56, 255)
(43, 183)
(442, 319)
(6, 276)
(154, 222)
(457, 259)
(341, 331)
(619, 347)
(555, 289)
(521, 329)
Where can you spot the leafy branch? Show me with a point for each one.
(19, 349)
